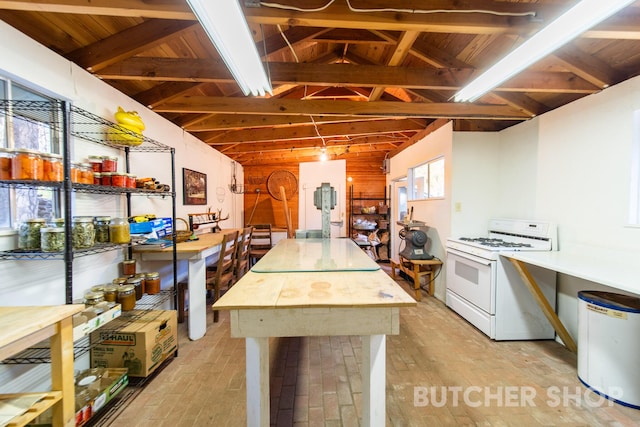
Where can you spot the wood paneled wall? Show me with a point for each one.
(367, 177)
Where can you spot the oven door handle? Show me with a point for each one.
(470, 257)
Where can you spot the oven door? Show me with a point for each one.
(472, 278)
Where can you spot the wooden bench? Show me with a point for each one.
(416, 268)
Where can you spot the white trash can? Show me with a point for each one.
(609, 345)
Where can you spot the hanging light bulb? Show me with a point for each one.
(323, 155)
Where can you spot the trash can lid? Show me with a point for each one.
(611, 300)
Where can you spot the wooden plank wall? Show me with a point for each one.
(368, 180)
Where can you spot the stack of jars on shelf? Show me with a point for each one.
(38, 234)
(126, 289)
(23, 164)
(105, 172)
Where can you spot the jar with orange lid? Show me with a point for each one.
(27, 165)
(109, 164)
(96, 163)
(52, 164)
(118, 179)
(86, 173)
(5, 163)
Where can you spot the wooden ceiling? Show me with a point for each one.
(360, 83)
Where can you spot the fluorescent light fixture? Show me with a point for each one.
(568, 26)
(227, 28)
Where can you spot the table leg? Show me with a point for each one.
(416, 281)
(257, 353)
(373, 380)
(62, 373)
(197, 299)
(548, 311)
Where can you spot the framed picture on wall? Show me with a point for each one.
(195, 187)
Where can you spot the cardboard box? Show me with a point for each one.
(140, 342)
(109, 386)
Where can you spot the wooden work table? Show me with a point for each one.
(23, 327)
(315, 287)
(195, 252)
(617, 269)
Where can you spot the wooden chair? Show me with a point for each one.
(261, 242)
(223, 277)
(242, 256)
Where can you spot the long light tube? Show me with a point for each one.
(227, 28)
(566, 27)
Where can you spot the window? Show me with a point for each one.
(426, 181)
(20, 130)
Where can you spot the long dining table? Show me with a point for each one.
(315, 287)
(195, 252)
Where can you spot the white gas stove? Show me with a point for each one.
(509, 235)
(485, 289)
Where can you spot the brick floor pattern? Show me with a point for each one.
(316, 381)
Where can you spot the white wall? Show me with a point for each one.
(436, 213)
(42, 283)
(571, 166)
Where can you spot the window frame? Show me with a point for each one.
(427, 178)
(9, 222)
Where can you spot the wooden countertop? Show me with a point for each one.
(314, 289)
(17, 323)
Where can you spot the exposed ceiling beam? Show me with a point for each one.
(129, 42)
(173, 69)
(240, 121)
(624, 26)
(332, 130)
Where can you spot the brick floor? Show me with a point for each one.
(315, 381)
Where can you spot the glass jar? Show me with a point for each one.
(83, 232)
(26, 165)
(143, 280)
(96, 163)
(129, 267)
(57, 222)
(131, 180)
(119, 231)
(152, 283)
(109, 164)
(101, 225)
(6, 156)
(86, 173)
(119, 179)
(29, 233)
(127, 297)
(136, 282)
(97, 178)
(52, 167)
(93, 297)
(106, 178)
(119, 281)
(52, 239)
(75, 173)
(110, 293)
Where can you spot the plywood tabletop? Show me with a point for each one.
(314, 290)
(19, 322)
